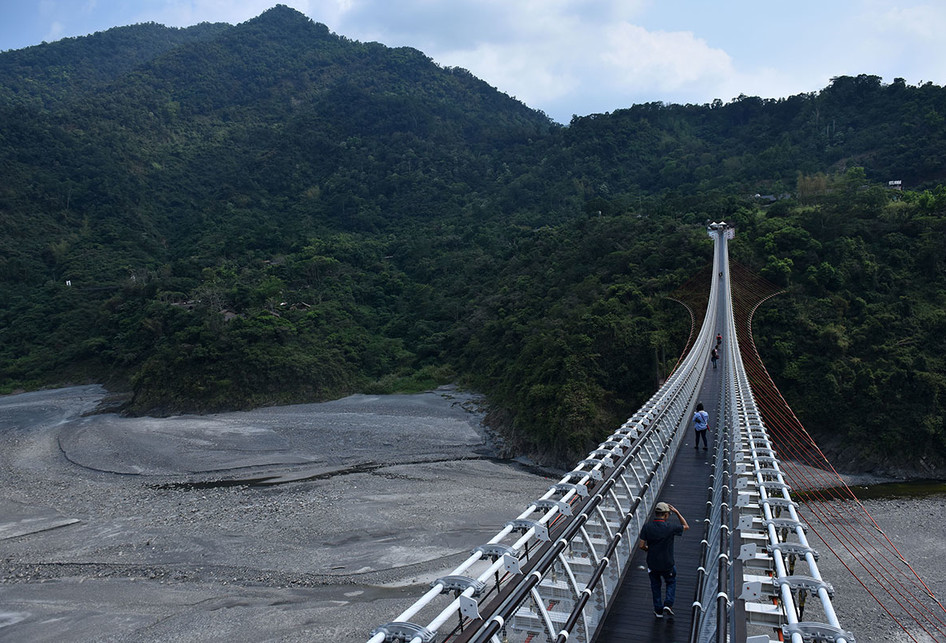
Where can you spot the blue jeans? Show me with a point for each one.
(670, 578)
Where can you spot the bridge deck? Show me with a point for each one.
(631, 617)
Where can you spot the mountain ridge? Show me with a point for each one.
(268, 213)
(83, 63)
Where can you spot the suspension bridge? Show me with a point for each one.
(568, 568)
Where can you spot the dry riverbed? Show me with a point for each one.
(296, 523)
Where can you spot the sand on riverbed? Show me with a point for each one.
(298, 523)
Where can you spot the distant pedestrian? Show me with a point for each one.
(714, 356)
(656, 538)
(700, 425)
(719, 339)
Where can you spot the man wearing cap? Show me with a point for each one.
(656, 538)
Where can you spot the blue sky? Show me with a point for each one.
(580, 57)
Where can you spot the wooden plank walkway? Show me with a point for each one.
(631, 616)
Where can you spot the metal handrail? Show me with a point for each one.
(590, 520)
(654, 432)
(766, 475)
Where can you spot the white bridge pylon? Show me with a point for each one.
(570, 548)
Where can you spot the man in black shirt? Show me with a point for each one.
(656, 538)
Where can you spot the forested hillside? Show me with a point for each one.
(229, 216)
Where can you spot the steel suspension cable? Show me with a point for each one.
(794, 441)
(866, 552)
(803, 476)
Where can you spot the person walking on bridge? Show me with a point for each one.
(656, 538)
(700, 425)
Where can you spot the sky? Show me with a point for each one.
(580, 57)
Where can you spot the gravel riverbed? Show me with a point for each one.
(916, 528)
(296, 523)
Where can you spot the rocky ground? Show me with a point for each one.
(299, 523)
(309, 522)
(916, 527)
(889, 516)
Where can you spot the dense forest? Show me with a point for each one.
(222, 217)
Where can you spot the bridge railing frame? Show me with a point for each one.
(768, 544)
(610, 493)
(571, 548)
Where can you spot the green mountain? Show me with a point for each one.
(227, 216)
(53, 73)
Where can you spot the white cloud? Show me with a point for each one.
(56, 31)
(558, 59)
(540, 51)
(890, 39)
(659, 60)
(926, 22)
(519, 70)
